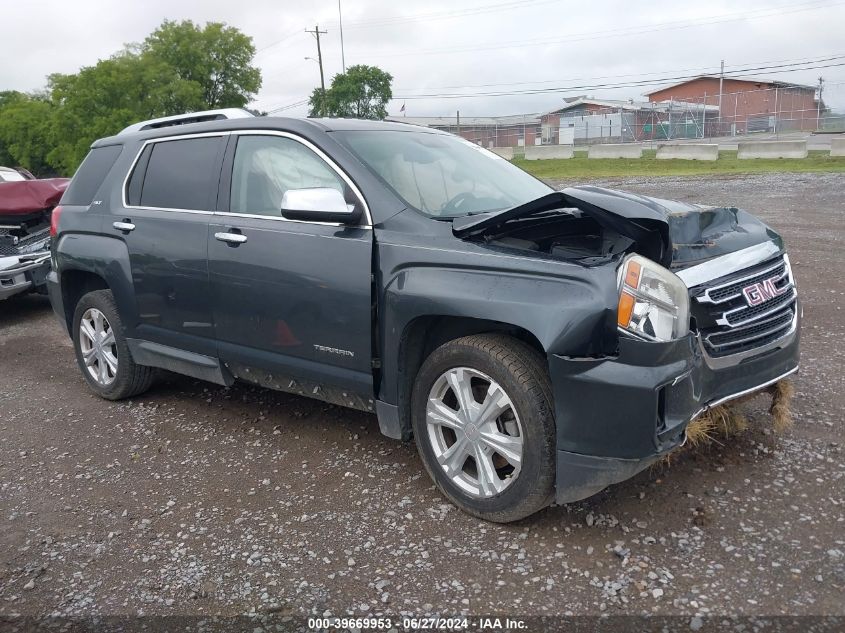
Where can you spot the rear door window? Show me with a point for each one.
(181, 174)
(90, 175)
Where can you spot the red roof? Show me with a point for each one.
(751, 80)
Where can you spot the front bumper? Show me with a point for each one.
(22, 273)
(616, 416)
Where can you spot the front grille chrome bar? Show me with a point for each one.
(781, 301)
(779, 269)
(741, 330)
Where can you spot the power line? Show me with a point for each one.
(812, 5)
(775, 69)
(772, 69)
(711, 68)
(443, 15)
(279, 41)
(287, 107)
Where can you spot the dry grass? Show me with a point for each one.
(728, 420)
(781, 409)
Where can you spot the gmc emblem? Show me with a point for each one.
(762, 291)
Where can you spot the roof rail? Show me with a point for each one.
(189, 117)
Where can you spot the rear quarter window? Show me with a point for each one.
(180, 174)
(90, 175)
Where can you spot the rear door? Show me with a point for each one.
(292, 298)
(168, 200)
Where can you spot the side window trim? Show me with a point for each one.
(225, 177)
(153, 141)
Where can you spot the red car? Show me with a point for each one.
(26, 205)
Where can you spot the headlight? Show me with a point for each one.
(653, 302)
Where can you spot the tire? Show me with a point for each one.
(129, 379)
(525, 484)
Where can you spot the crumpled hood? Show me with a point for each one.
(675, 234)
(28, 196)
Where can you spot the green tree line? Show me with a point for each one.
(180, 67)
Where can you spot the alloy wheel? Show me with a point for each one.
(474, 431)
(98, 347)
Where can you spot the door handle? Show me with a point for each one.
(230, 238)
(125, 226)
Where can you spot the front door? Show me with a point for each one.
(290, 298)
(164, 220)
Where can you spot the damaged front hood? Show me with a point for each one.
(674, 234)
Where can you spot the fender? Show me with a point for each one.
(73, 252)
(570, 310)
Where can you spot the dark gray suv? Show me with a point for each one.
(539, 345)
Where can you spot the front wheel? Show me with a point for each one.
(484, 426)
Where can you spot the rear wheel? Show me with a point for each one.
(483, 423)
(101, 350)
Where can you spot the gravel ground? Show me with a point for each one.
(197, 499)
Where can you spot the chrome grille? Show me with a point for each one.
(733, 290)
(729, 325)
(741, 316)
(8, 243)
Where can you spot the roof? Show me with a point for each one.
(257, 123)
(624, 104)
(632, 106)
(469, 121)
(753, 80)
(342, 125)
(187, 118)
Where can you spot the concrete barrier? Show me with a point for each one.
(504, 152)
(541, 152)
(620, 150)
(689, 151)
(837, 146)
(772, 149)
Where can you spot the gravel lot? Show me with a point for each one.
(197, 499)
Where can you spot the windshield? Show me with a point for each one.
(11, 176)
(443, 176)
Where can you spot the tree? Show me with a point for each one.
(24, 135)
(180, 67)
(362, 92)
(101, 100)
(25, 131)
(317, 103)
(216, 57)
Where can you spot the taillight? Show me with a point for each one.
(54, 221)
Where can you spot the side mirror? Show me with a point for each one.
(318, 204)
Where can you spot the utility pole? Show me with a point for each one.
(342, 54)
(819, 104)
(721, 81)
(316, 33)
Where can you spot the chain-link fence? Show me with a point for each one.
(762, 112)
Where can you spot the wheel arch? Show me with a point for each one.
(79, 273)
(423, 334)
(75, 284)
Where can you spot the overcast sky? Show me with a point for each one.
(446, 47)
